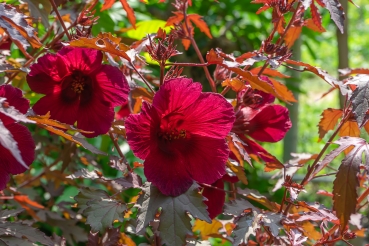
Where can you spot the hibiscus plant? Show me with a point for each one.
(109, 141)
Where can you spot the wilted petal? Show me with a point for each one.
(254, 148)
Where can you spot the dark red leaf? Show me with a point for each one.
(337, 15)
(315, 15)
(130, 13)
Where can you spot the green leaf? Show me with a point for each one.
(100, 209)
(174, 221)
(19, 230)
(146, 27)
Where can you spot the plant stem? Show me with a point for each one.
(364, 195)
(116, 145)
(55, 8)
(142, 77)
(311, 169)
(162, 68)
(188, 64)
(196, 48)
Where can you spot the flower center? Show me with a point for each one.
(77, 86)
(172, 135)
(78, 83)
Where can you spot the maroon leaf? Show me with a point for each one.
(16, 26)
(337, 15)
(346, 182)
(360, 97)
(317, 19)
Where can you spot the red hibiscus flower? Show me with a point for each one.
(181, 136)
(20, 134)
(261, 120)
(78, 87)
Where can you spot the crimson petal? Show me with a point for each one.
(216, 198)
(205, 158)
(96, 116)
(167, 172)
(141, 130)
(113, 85)
(270, 124)
(59, 110)
(211, 115)
(82, 59)
(176, 95)
(46, 75)
(26, 146)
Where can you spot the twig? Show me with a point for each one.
(143, 79)
(196, 48)
(316, 161)
(116, 145)
(55, 8)
(283, 200)
(215, 188)
(40, 175)
(324, 175)
(162, 70)
(188, 64)
(225, 90)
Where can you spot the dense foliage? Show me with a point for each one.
(147, 132)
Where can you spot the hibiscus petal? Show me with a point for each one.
(167, 172)
(176, 94)
(46, 75)
(270, 124)
(59, 110)
(113, 84)
(96, 116)
(26, 147)
(4, 179)
(211, 115)
(82, 59)
(141, 130)
(206, 158)
(216, 198)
